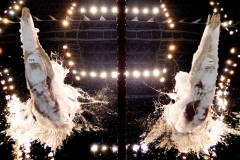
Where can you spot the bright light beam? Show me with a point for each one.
(136, 74)
(93, 10)
(145, 10)
(103, 75)
(155, 10)
(104, 9)
(156, 73)
(146, 73)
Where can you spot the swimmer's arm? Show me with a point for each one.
(42, 52)
(213, 22)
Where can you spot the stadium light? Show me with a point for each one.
(232, 50)
(6, 71)
(104, 148)
(229, 62)
(65, 22)
(146, 73)
(10, 79)
(74, 72)
(21, 2)
(219, 92)
(77, 78)
(163, 6)
(136, 148)
(114, 9)
(94, 148)
(104, 9)
(114, 74)
(83, 73)
(82, 10)
(222, 78)
(16, 7)
(114, 148)
(11, 12)
(162, 79)
(135, 10)
(145, 10)
(169, 56)
(103, 75)
(225, 24)
(172, 47)
(5, 20)
(68, 54)
(166, 14)
(74, 4)
(93, 9)
(171, 25)
(2, 82)
(93, 74)
(155, 10)
(71, 63)
(136, 74)
(65, 47)
(70, 11)
(156, 73)
(164, 70)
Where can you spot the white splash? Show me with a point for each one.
(26, 127)
(48, 115)
(188, 123)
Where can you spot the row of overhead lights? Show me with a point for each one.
(114, 74)
(114, 10)
(103, 148)
(135, 74)
(94, 10)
